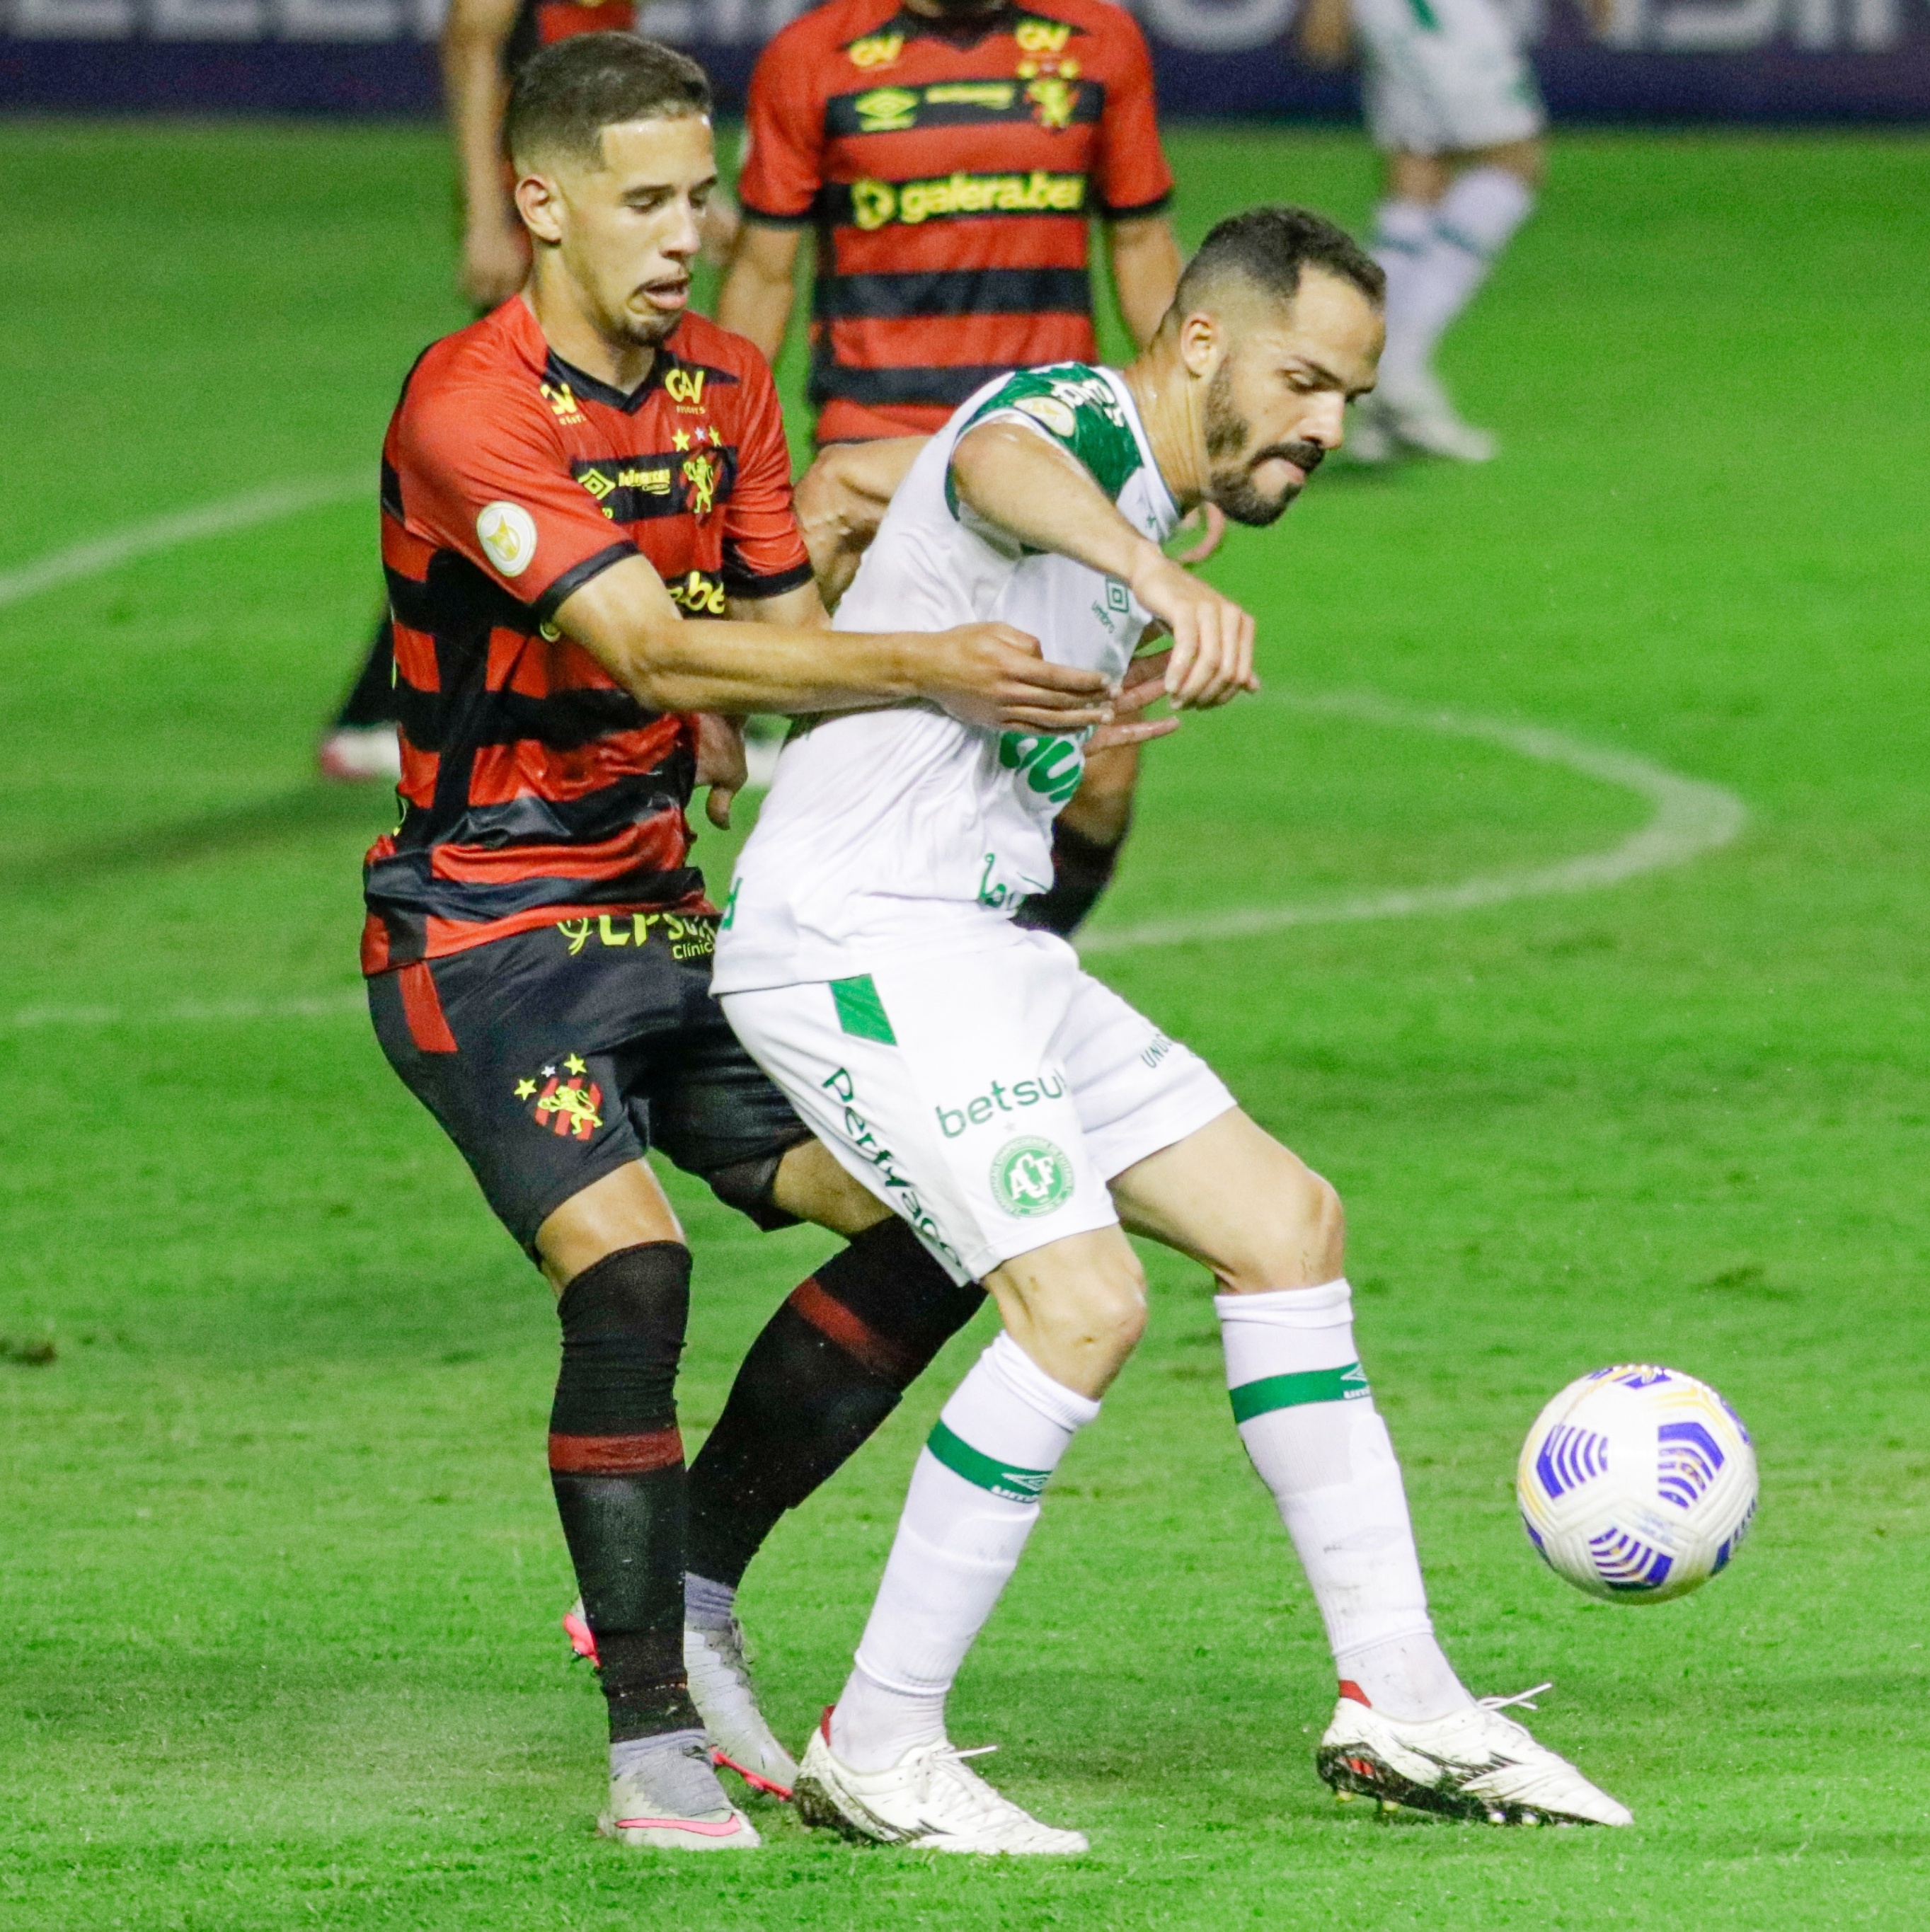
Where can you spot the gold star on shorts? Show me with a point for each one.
(524, 1088)
(574, 1064)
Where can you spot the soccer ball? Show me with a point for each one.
(1636, 1483)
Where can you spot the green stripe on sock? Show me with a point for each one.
(1015, 1486)
(860, 1012)
(1263, 1397)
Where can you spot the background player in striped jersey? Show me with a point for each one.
(1452, 104)
(566, 485)
(950, 157)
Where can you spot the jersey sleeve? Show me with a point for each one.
(764, 550)
(1133, 178)
(479, 471)
(1073, 406)
(784, 136)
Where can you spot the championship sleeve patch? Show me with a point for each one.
(1076, 406)
(508, 534)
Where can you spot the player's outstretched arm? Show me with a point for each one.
(790, 662)
(1035, 491)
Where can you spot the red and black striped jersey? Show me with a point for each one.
(952, 169)
(534, 788)
(538, 22)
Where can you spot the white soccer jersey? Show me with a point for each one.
(890, 833)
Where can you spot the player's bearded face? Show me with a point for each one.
(1247, 475)
(632, 233)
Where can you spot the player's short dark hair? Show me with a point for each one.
(1270, 247)
(564, 98)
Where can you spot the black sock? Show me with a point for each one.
(617, 1466)
(371, 701)
(1082, 869)
(829, 1368)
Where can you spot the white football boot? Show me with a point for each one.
(720, 1688)
(354, 753)
(677, 1805)
(1419, 415)
(1475, 1764)
(727, 1701)
(929, 1799)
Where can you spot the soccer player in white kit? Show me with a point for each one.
(1452, 103)
(1015, 1111)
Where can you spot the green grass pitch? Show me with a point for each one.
(279, 1575)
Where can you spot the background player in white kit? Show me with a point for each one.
(1452, 104)
(1014, 1111)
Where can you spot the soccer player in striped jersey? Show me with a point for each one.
(950, 157)
(587, 534)
(484, 43)
(1019, 1115)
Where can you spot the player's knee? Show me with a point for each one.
(1106, 1316)
(623, 1320)
(1299, 1235)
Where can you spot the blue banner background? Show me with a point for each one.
(1723, 60)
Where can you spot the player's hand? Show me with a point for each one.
(495, 261)
(1145, 684)
(992, 675)
(720, 764)
(1212, 660)
(1212, 529)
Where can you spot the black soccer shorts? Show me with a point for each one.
(555, 1056)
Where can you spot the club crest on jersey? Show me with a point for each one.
(700, 475)
(686, 387)
(886, 110)
(1053, 100)
(875, 50)
(566, 1103)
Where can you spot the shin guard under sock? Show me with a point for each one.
(829, 1367)
(617, 1466)
(973, 1499)
(1307, 1416)
(1082, 870)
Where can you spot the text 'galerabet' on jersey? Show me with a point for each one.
(534, 788)
(951, 169)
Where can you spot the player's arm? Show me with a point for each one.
(755, 299)
(984, 674)
(1036, 491)
(1326, 33)
(495, 257)
(1145, 271)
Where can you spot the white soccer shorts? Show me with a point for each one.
(986, 1097)
(1445, 76)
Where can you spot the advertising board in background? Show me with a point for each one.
(1684, 60)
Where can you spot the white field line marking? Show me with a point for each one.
(1691, 817)
(187, 1012)
(266, 505)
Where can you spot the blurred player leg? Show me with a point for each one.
(1451, 103)
(362, 743)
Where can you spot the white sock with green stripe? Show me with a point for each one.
(974, 1498)
(1305, 1411)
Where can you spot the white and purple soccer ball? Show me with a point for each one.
(1637, 1483)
